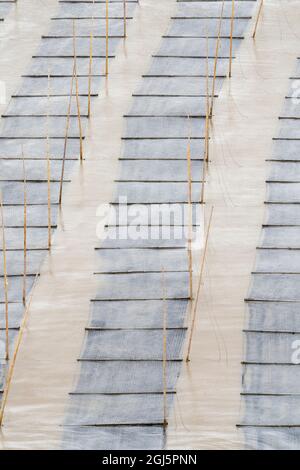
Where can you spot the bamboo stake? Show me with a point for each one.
(13, 361)
(49, 201)
(207, 105)
(66, 138)
(125, 18)
(198, 288)
(48, 167)
(106, 40)
(204, 165)
(165, 324)
(231, 36)
(216, 59)
(91, 62)
(77, 90)
(190, 253)
(257, 18)
(5, 280)
(25, 231)
(206, 144)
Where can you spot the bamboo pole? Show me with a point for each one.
(194, 314)
(231, 36)
(257, 18)
(48, 166)
(106, 37)
(16, 350)
(207, 122)
(49, 201)
(190, 253)
(91, 62)
(25, 231)
(165, 324)
(207, 105)
(66, 138)
(216, 58)
(77, 90)
(125, 18)
(204, 164)
(5, 280)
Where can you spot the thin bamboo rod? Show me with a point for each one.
(48, 166)
(165, 325)
(66, 138)
(49, 201)
(106, 37)
(5, 280)
(91, 62)
(207, 123)
(207, 105)
(216, 58)
(204, 164)
(14, 357)
(190, 253)
(231, 36)
(198, 288)
(125, 18)
(257, 18)
(77, 90)
(25, 231)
